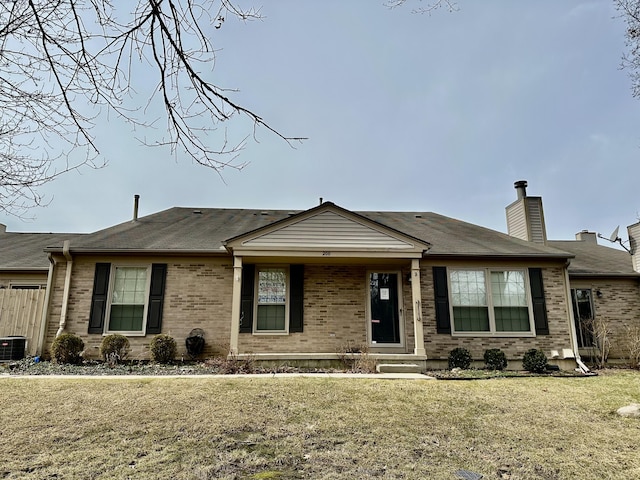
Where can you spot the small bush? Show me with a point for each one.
(231, 365)
(495, 359)
(534, 361)
(459, 358)
(67, 348)
(163, 348)
(114, 348)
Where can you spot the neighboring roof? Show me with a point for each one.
(592, 259)
(25, 251)
(192, 230)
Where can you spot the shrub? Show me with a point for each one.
(534, 361)
(459, 358)
(495, 359)
(114, 348)
(163, 348)
(67, 348)
(632, 344)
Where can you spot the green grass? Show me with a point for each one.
(270, 428)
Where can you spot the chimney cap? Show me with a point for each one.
(521, 187)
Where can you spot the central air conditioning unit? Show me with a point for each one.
(12, 348)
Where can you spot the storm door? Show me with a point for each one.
(583, 315)
(384, 308)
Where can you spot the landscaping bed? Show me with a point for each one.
(215, 366)
(222, 366)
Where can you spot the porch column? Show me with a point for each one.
(236, 305)
(416, 296)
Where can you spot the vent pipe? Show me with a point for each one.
(136, 202)
(521, 188)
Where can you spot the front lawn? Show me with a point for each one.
(295, 428)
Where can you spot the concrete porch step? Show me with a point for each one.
(398, 368)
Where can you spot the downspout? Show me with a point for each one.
(67, 287)
(572, 324)
(45, 307)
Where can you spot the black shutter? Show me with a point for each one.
(246, 310)
(99, 298)
(443, 318)
(537, 299)
(156, 298)
(296, 298)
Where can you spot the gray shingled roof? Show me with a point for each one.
(25, 251)
(205, 230)
(592, 259)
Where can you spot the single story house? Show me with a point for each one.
(308, 286)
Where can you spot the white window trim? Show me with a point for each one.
(492, 321)
(285, 331)
(107, 317)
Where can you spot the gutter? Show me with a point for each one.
(45, 307)
(572, 325)
(142, 251)
(67, 287)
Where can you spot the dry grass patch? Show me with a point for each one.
(542, 428)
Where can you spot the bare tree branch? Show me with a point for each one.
(64, 62)
(630, 12)
(427, 8)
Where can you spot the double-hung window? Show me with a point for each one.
(272, 305)
(490, 301)
(128, 293)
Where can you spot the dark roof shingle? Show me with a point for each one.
(205, 230)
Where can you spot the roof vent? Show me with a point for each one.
(264, 212)
(197, 212)
(136, 203)
(418, 215)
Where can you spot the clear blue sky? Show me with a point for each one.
(403, 112)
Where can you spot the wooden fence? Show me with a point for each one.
(21, 314)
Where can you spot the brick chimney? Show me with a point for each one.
(525, 216)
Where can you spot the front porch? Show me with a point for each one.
(324, 282)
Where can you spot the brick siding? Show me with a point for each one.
(619, 306)
(198, 294)
(438, 345)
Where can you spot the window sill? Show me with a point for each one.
(125, 334)
(495, 334)
(281, 333)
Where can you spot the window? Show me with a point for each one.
(490, 301)
(272, 300)
(128, 293)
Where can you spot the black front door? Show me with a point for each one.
(385, 317)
